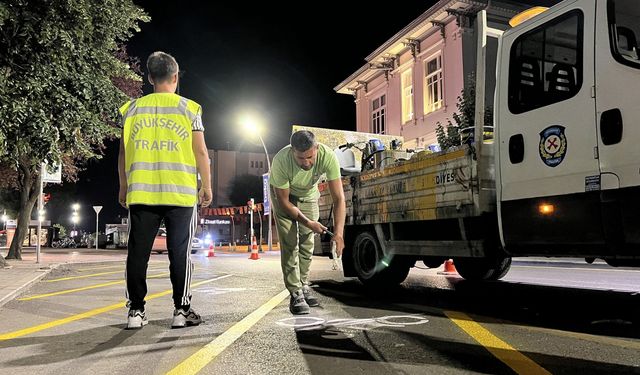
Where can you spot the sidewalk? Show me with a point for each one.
(23, 273)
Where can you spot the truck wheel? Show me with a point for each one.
(433, 262)
(372, 268)
(480, 269)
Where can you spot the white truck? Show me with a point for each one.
(561, 177)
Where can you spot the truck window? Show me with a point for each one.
(545, 64)
(624, 27)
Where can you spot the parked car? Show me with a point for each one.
(160, 243)
(196, 244)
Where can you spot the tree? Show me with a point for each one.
(462, 131)
(62, 231)
(59, 71)
(244, 187)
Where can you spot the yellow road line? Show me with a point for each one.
(517, 361)
(90, 275)
(118, 266)
(202, 357)
(101, 268)
(90, 313)
(67, 291)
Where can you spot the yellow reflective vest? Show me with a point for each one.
(159, 161)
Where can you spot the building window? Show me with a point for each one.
(433, 84)
(251, 163)
(407, 95)
(378, 110)
(545, 65)
(261, 164)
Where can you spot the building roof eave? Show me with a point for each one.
(437, 12)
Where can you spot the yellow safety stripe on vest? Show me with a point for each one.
(161, 166)
(160, 188)
(130, 109)
(162, 111)
(181, 109)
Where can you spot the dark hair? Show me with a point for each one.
(161, 66)
(303, 140)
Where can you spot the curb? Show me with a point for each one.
(9, 297)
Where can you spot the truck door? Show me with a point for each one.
(549, 173)
(618, 113)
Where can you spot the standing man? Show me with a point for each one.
(295, 174)
(161, 151)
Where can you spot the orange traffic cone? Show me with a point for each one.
(212, 251)
(254, 249)
(449, 268)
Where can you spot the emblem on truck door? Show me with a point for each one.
(553, 145)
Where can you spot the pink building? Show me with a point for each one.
(412, 81)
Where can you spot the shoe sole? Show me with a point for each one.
(144, 323)
(300, 312)
(187, 324)
(313, 305)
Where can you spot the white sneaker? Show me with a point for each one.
(136, 319)
(183, 318)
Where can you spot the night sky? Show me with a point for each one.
(279, 60)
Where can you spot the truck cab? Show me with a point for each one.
(567, 155)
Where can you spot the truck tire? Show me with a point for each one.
(433, 262)
(483, 269)
(372, 268)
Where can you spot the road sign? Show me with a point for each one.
(265, 194)
(52, 173)
(97, 209)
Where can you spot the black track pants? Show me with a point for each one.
(144, 222)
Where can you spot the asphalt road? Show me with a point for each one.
(560, 318)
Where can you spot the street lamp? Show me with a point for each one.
(75, 218)
(251, 126)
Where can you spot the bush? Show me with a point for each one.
(462, 131)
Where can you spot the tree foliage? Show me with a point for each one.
(62, 231)
(244, 187)
(454, 134)
(60, 65)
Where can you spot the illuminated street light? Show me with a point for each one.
(75, 218)
(254, 127)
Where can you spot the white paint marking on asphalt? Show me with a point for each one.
(311, 323)
(576, 268)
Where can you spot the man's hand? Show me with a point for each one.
(122, 196)
(316, 227)
(205, 196)
(339, 244)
